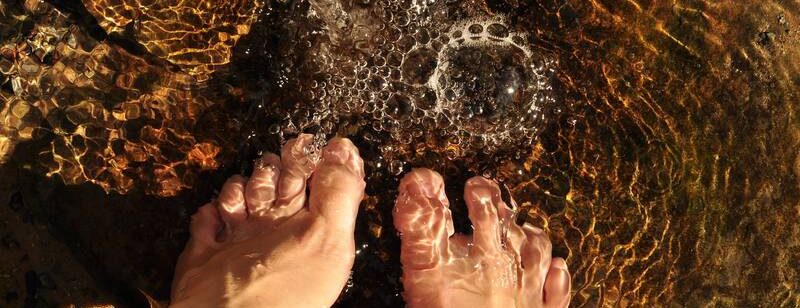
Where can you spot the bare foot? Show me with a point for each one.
(500, 265)
(260, 244)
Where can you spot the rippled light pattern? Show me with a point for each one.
(113, 118)
(196, 35)
(656, 141)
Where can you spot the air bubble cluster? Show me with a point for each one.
(475, 84)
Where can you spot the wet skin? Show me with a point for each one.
(500, 265)
(265, 243)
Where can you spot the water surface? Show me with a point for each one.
(656, 141)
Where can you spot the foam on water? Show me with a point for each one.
(475, 82)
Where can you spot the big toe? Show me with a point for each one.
(337, 185)
(422, 216)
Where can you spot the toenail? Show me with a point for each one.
(430, 183)
(482, 182)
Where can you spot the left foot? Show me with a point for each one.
(260, 244)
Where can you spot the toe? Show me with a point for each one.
(536, 256)
(557, 285)
(422, 217)
(515, 239)
(231, 204)
(205, 225)
(260, 192)
(485, 206)
(296, 167)
(337, 186)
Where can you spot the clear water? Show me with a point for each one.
(655, 141)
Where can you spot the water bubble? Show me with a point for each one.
(426, 99)
(422, 37)
(398, 106)
(394, 59)
(274, 129)
(366, 96)
(383, 95)
(472, 74)
(338, 81)
(376, 83)
(384, 71)
(363, 74)
(437, 45)
(394, 34)
(473, 82)
(497, 30)
(401, 18)
(406, 43)
(378, 61)
(475, 29)
(419, 65)
(379, 40)
(396, 167)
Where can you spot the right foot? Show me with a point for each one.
(500, 265)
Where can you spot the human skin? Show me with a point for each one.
(500, 265)
(265, 243)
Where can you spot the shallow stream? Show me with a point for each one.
(658, 142)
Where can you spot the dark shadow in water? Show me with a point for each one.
(670, 174)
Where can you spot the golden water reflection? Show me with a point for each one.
(112, 118)
(196, 35)
(670, 175)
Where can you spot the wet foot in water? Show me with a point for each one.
(499, 265)
(260, 244)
